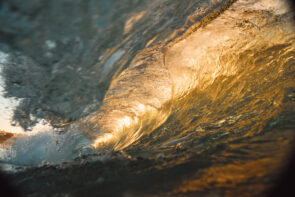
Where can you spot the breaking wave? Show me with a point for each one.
(161, 78)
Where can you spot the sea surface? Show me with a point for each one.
(202, 89)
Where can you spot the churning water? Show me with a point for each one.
(182, 80)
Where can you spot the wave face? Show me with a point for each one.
(174, 79)
(156, 83)
(78, 77)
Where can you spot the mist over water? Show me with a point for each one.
(208, 81)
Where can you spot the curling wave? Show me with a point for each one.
(220, 69)
(143, 96)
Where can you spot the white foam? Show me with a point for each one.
(46, 146)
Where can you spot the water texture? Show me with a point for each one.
(203, 91)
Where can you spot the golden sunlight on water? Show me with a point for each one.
(232, 86)
(241, 52)
(252, 176)
(213, 110)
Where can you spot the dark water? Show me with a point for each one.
(199, 92)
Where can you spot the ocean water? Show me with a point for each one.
(209, 80)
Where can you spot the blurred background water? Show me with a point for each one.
(205, 88)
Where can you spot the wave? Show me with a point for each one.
(157, 86)
(143, 96)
